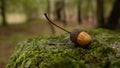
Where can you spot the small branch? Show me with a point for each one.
(55, 24)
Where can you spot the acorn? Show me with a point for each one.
(77, 36)
(80, 37)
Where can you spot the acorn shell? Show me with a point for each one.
(80, 37)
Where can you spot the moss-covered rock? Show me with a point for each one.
(60, 52)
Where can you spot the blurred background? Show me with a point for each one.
(22, 19)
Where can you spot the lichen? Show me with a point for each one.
(60, 52)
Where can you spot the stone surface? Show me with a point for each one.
(60, 52)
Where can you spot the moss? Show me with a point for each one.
(60, 52)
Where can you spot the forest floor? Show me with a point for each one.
(12, 34)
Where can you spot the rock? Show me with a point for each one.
(60, 52)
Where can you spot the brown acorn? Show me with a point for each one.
(80, 37)
(76, 36)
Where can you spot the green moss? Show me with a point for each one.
(60, 52)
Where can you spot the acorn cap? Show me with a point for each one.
(80, 37)
(74, 35)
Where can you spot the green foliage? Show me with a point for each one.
(60, 52)
(21, 5)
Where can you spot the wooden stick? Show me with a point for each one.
(56, 24)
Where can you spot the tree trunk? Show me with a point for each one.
(4, 22)
(113, 19)
(48, 12)
(64, 13)
(58, 9)
(48, 8)
(79, 11)
(100, 13)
